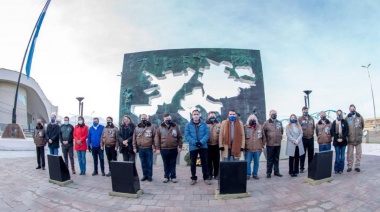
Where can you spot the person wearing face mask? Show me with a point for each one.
(354, 138)
(273, 132)
(143, 143)
(294, 145)
(322, 131)
(94, 145)
(80, 143)
(52, 135)
(66, 136)
(168, 142)
(254, 145)
(213, 146)
(308, 128)
(40, 142)
(125, 139)
(339, 132)
(197, 134)
(110, 139)
(231, 137)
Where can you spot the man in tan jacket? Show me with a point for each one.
(231, 137)
(354, 139)
(308, 128)
(322, 131)
(213, 146)
(110, 140)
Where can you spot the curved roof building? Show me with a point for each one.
(32, 104)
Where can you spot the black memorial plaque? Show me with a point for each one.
(232, 177)
(125, 178)
(58, 170)
(321, 166)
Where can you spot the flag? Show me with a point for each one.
(37, 30)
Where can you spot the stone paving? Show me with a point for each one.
(23, 188)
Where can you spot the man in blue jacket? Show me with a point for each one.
(94, 145)
(197, 133)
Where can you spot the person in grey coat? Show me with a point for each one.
(294, 146)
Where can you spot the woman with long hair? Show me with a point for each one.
(294, 145)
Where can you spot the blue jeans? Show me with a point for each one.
(53, 151)
(82, 160)
(230, 157)
(339, 158)
(97, 152)
(146, 158)
(169, 157)
(323, 148)
(255, 156)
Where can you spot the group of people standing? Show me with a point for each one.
(210, 140)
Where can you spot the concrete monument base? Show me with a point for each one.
(318, 182)
(230, 196)
(121, 194)
(61, 183)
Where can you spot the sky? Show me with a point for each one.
(304, 45)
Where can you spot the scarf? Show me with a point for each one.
(338, 128)
(236, 145)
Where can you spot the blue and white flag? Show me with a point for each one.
(37, 30)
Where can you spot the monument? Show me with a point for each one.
(180, 80)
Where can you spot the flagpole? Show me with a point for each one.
(22, 64)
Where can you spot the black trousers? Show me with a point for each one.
(111, 155)
(40, 150)
(273, 158)
(213, 160)
(294, 162)
(68, 152)
(308, 145)
(193, 156)
(128, 156)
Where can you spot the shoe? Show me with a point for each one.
(108, 174)
(295, 175)
(207, 182)
(38, 167)
(340, 172)
(216, 177)
(292, 175)
(166, 180)
(255, 177)
(248, 177)
(174, 180)
(357, 169)
(150, 180)
(73, 170)
(81, 173)
(43, 168)
(302, 170)
(336, 172)
(268, 176)
(210, 178)
(278, 175)
(84, 173)
(193, 182)
(103, 174)
(94, 173)
(144, 178)
(349, 169)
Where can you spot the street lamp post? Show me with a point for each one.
(373, 99)
(307, 100)
(80, 99)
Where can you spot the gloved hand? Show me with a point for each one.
(198, 144)
(221, 148)
(89, 148)
(241, 149)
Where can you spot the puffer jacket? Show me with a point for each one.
(195, 133)
(168, 137)
(126, 133)
(308, 126)
(273, 132)
(323, 132)
(355, 128)
(254, 138)
(143, 136)
(80, 133)
(214, 133)
(110, 136)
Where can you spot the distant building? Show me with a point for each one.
(32, 104)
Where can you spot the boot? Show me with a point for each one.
(73, 170)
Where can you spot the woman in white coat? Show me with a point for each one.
(294, 146)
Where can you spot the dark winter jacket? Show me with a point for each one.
(126, 133)
(335, 135)
(52, 132)
(66, 133)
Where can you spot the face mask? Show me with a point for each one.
(95, 123)
(232, 118)
(168, 121)
(211, 120)
(323, 118)
(144, 122)
(52, 120)
(126, 121)
(305, 113)
(252, 122)
(273, 116)
(80, 122)
(339, 117)
(66, 122)
(353, 113)
(196, 117)
(293, 121)
(109, 123)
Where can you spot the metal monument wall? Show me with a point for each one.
(180, 80)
